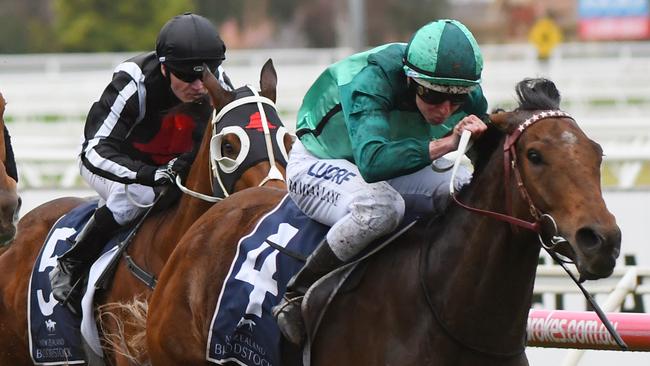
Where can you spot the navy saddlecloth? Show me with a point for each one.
(243, 329)
(54, 332)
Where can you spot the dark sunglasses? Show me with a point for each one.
(433, 97)
(189, 75)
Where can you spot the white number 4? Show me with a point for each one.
(262, 279)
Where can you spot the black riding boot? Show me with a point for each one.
(288, 312)
(77, 260)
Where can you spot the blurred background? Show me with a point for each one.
(56, 57)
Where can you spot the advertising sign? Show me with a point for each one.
(614, 19)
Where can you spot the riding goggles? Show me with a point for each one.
(190, 72)
(434, 97)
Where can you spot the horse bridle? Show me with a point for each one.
(510, 164)
(542, 220)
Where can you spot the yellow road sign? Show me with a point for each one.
(545, 35)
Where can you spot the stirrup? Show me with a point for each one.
(291, 323)
(75, 291)
(279, 308)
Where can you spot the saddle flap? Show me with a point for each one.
(319, 296)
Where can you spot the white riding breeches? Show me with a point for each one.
(332, 192)
(114, 193)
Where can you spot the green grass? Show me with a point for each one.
(47, 118)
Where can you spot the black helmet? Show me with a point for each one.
(187, 41)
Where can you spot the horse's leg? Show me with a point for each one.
(16, 263)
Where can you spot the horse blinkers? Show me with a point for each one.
(255, 123)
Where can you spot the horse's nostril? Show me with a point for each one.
(588, 239)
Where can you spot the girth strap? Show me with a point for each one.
(147, 278)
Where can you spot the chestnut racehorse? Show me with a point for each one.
(159, 233)
(9, 199)
(452, 290)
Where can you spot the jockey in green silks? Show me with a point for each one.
(369, 128)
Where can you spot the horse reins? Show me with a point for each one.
(510, 163)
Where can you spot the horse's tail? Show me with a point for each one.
(131, 342)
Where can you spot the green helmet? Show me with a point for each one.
(445, 53)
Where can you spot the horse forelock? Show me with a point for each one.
(537, 94)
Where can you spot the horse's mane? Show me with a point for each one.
(532, 94)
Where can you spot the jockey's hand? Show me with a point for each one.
(181, 164)
(163, 175)
(472, 124)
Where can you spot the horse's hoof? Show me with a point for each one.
(290, 322)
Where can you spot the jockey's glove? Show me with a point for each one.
(155, 175)
(181, 164)
(164, 174)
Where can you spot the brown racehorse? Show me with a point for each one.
(452, 290)
(152, 245)
(9, 199)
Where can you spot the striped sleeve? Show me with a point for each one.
(108, 124)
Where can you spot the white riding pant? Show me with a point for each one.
(332, 192)
(114, 194)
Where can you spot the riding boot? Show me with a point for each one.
(74, 263)
(288, 312)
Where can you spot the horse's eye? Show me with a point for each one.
(534, 156)
(227, 149)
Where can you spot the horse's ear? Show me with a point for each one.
(268, 80)
(2, 105)
(220, 96)
(502, 121)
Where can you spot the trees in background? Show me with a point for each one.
(109, 25)
(132, 25)
(25, 26)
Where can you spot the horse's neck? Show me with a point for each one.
(181, 216)
(480, 270)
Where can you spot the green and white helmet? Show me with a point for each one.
(444, 56)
